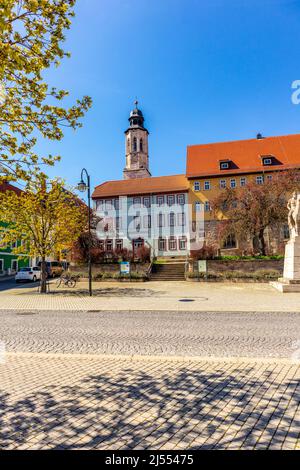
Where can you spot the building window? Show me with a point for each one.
(109, 245)
(170, 200)
(117, 203)
(134, 144)
(181, 219)
(108, 204)
(197, 186)
(137, 222)
(162, 244)
(161, 220)
(137, 202)
(160, 200)
(180, 199)
(269, 177)
(243, 181)
(233, 183)
(259, 179)
(141, 145)
(1, 265)
(99, 205)
(222, 184)
(267, 161)
(207, 206)
(119, 244)
(14, 244)
(172, 244)
(14, 265)
(146, 202)
(224, 165)
(147, 221)
(206, 185)
(182, 243)
(101, 245)
(118, 223)
(198, 206)
(229, 242)
(171, 219)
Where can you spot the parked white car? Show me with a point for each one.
(28, 274)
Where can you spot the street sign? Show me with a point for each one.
(125, 267)
(202, 266)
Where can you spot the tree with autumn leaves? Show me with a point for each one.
(45, 217)
(250, 210)
(31, 37)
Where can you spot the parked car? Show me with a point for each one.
(28, 274)
(54, 268)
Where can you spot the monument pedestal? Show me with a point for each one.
(290, 282)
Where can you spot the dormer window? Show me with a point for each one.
(267, 160)
(224, 164)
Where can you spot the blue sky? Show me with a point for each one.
(203, 71)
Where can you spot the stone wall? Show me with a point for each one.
(110, 268)
(219, 266)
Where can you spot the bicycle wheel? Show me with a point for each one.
(71, 283)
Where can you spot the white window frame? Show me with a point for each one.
(182, 240)
(180, 197)
(170, 197)
(197, 186)
(222, 184)
(137, 202)
(172, 240)
(233, 183)
(267, 161)
(207, 186)
(164, 241)
(147, 204)
(181, 219)
(207, 207)
(224, 165)
(260, 180)
(160, 200)
(198, 206)
(243, 181)
(161, 218)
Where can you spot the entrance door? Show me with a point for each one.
(136, 244)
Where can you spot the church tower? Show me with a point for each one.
(136, 142)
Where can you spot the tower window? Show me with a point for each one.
(141, 145)
(134, 144)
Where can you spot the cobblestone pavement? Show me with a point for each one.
(153, 333)
(114, 380)
(61, 401)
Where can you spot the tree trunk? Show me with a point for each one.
(262, 242)
(43, 276)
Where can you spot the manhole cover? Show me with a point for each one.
(26, 313)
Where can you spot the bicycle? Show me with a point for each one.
(67, 280)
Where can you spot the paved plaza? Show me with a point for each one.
(79, 375)
(93, 402)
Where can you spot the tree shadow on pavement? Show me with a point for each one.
(184, 408)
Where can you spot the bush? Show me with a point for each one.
(143, 254)
(206, 252)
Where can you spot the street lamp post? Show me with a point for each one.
(86, 186)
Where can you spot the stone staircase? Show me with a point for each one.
(168, 271)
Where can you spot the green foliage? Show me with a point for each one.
(32, 32)
(260, 274)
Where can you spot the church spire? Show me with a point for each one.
(136, 142)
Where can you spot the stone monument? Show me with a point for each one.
(290, 282)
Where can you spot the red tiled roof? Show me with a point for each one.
(245, 155)
(9, 187)
(160, 184)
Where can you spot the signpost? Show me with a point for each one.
(125, 267)
(202, 267)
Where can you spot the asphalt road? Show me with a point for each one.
(222, 334)
(11, 284)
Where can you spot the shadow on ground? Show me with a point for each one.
(133, 409)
